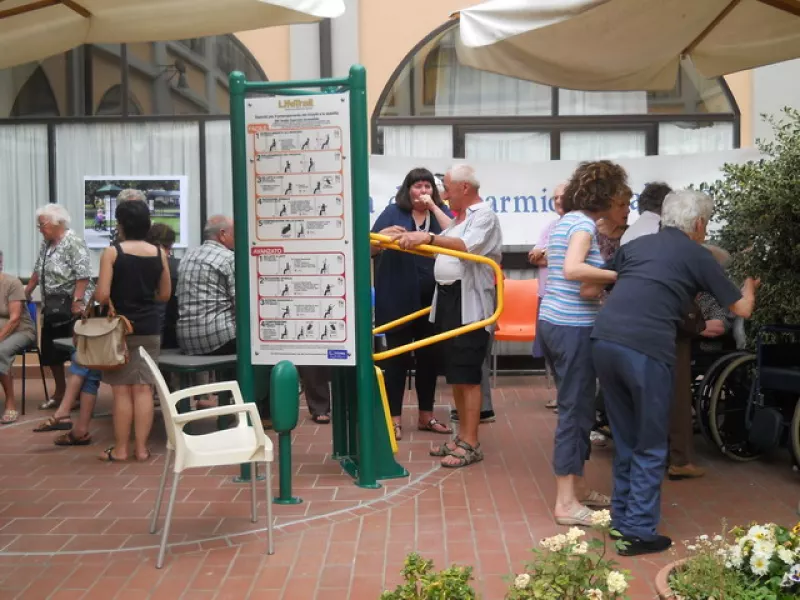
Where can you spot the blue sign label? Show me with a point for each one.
(338, 354)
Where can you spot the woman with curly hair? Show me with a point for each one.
(566, 321)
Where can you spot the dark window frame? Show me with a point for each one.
(553, 123)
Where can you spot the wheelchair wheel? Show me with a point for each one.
(705, 388)
(795, 434)
(728, 409)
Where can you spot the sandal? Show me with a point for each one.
(69, 439)
(435, 426)
(580, 517)
(10, 416)
(54, 424)
(108, 456)
(321, 419)
(398, 432)
(444, 449)
(49, 404)
(597, 500)
(472, 454)
(551, 404)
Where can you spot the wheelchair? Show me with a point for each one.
(749, 403)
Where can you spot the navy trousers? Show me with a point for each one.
(638, 398)
(569, 350)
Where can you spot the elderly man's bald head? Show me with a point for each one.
(220, 229)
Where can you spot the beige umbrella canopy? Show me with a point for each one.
(35, 29)
(626, 44)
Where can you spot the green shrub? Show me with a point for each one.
(758, 205)
(422, 582)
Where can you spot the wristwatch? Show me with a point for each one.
(430, 241)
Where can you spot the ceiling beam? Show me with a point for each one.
(703, 34)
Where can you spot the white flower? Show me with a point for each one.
(691, 547)
(760, 533)
(594, 594)
(786, 555)
(522, 581)
(717, 538)
(601, 518)
(735, 556)
(574, 534)
(759, 565)
(703, 538)
(555, 543)
(616, 582)
(581, 548)
(764, 547)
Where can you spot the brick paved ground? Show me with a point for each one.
(72, 527)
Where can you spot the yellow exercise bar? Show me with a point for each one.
(386, 411)
(386, 243)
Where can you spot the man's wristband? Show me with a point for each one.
(430, 241)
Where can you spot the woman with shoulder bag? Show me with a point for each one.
(63, 269)
(134, 279)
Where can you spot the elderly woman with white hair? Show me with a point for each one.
(633, 348)
(63, 269)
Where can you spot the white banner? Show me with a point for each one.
(521, 193)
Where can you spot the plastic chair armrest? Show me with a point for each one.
(220, 411)
(210, 388)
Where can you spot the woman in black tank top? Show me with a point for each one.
(135, 277)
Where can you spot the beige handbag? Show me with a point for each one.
(100, 341)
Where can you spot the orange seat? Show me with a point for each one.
(517, 322)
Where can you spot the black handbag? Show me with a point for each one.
(56, 308)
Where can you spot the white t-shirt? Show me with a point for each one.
(449, 269)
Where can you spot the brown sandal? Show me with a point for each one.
(444, 449)
(398, 432)
(472, 454)
(54, 424)
(69, 439)
(435, 426)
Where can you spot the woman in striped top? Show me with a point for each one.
(566, 321)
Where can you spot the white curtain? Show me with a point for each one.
(127, 150)
(574, 102)
(418, 141)
(504, 147)
(676, 138)
(219, 181)
(597, 145)
(24, 173)
(464, 91)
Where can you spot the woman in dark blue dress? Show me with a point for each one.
(404, 284)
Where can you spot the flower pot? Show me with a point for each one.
(662, 580)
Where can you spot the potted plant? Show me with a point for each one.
(761, 562)
(573, 567)
(422, 582)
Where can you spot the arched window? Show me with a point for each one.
(36, 97)
(111, 103)
(435, 107)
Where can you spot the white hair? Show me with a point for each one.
(215, 225)
(55, 214)
(131, 194)
(464, 174)
(683, 208)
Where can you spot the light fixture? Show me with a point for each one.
(176, 69)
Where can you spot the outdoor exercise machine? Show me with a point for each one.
(363, 437)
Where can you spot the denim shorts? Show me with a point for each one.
(91, 377)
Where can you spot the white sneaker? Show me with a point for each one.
(598, 439)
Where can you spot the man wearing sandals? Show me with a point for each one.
(465, 293)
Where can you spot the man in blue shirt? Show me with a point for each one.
(633, 350)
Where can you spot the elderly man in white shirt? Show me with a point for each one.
(649, 221)
(465, 293)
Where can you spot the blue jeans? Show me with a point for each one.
(569, 350)
(638, 399)
(91, 377)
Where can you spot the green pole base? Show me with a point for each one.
(246, 478)
(289, 500)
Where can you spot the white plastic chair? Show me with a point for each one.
(240, 444)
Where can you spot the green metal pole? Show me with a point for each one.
(359, 152)
(244, 367)
(339, 413)
(284, 399)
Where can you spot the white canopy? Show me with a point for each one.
(626, 44)
(35, 29)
